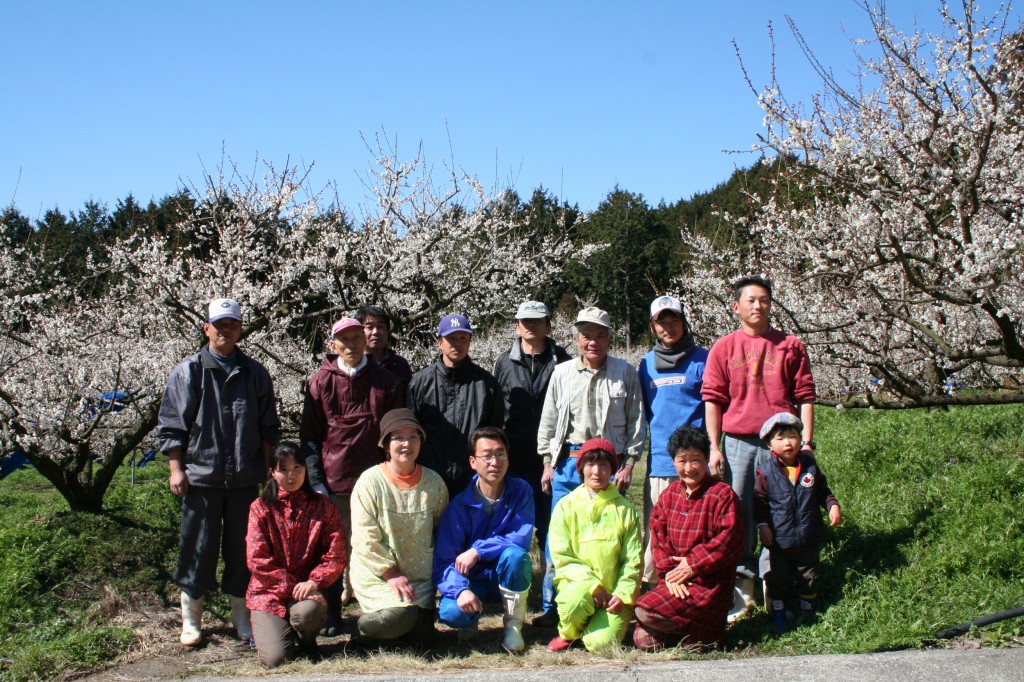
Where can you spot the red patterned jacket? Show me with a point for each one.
(298, 539)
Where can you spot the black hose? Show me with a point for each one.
(956, 630)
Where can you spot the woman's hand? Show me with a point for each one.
(681, 573)
(400, 584)
(601, 597)
(678, 590)
(614, 605)
(305, 590)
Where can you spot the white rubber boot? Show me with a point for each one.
(515, 614)
(191, 620)
(240, 618)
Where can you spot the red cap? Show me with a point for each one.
(602, 444)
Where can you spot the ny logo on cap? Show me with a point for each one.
(454, 322)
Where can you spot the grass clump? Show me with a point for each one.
(65, 576)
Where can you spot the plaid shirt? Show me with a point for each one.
(298, 539)
(707, 529)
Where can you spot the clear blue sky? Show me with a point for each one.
(106, 99)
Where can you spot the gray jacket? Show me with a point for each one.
(219, 420)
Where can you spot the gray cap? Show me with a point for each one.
(532, 310)
(593, 315)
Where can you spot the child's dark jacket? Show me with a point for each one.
(792, 511)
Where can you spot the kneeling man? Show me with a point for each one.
(482, 553)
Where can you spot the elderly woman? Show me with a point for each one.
(697, 536)
(396, 508)
(594, 538)
(295, 548)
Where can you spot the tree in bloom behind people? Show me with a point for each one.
(894, 236)
(292, 264)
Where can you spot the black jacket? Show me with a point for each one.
(451, 403)
(792, 511)
(524, 383)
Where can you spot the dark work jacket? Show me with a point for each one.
(792, 511)
(451, 403)
(219, 420)
(524, 383)
(341, 422)
(399, 367)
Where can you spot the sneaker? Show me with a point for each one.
(558, 644)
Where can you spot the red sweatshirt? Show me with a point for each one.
(754, 377)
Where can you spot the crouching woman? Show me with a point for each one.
(295, 547)
(594, 538)
(697, 537)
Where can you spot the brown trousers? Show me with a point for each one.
(280, 639)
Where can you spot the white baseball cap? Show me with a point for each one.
(223, 308)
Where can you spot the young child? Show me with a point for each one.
(788, 491)
(295, 549)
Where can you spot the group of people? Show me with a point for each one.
(404, 486)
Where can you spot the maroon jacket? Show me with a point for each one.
(341, 422)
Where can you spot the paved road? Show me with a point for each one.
(991, 665)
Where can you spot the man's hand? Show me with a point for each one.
(716, 463)
(623, 477)
(179, 482)
(400, 584)
(465, 561)
(547, 477)
(835, 515)
(469, 602)
(767, 538)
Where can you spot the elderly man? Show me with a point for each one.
(218, 425)
(452, 398)
(344, 403)
(596, 396)
(524, 372)
(671, 375)
(751, 374)
(377, 327)
(482, 555)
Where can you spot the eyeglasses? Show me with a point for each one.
(487, 459)
(408, 440)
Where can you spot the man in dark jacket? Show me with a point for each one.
(452, 398)
(377, 327)
(217, 423)
(345, 401)
(523, 372)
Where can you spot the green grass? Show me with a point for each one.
(63, 574)
(933, 537)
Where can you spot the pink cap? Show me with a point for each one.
(343, 324)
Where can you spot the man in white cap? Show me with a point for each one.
(595, 396)
(345, 400)
(524, 372)
(218, 425)
(452, 398)
(671, 376)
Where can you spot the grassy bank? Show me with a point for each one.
(933, 537)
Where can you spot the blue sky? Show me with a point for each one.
(106, 99)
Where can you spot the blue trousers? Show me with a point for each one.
(513, 570)
(742, 456)
(565, 481)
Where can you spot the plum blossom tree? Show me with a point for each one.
(894, 233)
(82, 374)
